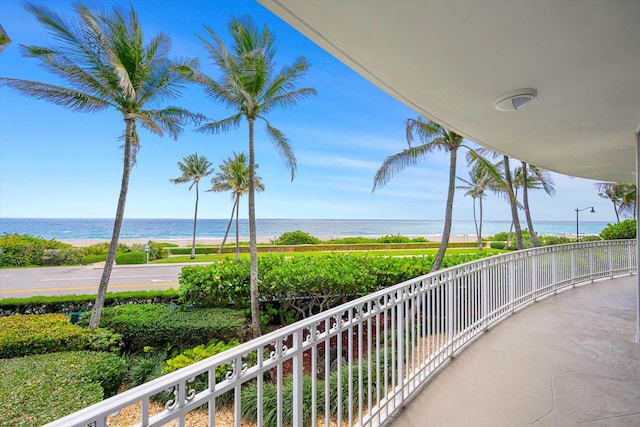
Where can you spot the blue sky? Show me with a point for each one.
(58, 164)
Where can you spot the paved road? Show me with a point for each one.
(25, 282)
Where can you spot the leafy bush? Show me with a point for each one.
(201, 352)
(92, 259)
(24, 335)
(304, 285)
(555, 240)
(131, 258)
(498, 245)
(19, 250)
(297, 237)
(592, 238)
(622, 230)
(42, 388)
(393, 239)
(145, 367)
(161, 326)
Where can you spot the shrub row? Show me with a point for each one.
(24, 335)
(163, 326)
(324, 246)
(81, 303)
(622, 230)
(20, 250)
(302, 284)
(39, 389)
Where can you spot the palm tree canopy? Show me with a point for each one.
(234, 176)
(477, 184)
(622, 195)
(193, 169)
(249, 83)
(106, 63)
(433, 137)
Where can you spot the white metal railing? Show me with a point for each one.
(359, 362)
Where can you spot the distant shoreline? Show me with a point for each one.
(216, 241)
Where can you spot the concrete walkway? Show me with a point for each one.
(568, 360)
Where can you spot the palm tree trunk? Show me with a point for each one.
(446, 232)
(525, 202)
(226, 233)
(195, 221)
(514, 203)
(117, 226)
(237, 229)
(615, 208)
(475, 222)
(480, 228)
(253, 249)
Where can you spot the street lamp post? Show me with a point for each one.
(577, 221)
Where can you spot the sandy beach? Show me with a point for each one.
(218, 241)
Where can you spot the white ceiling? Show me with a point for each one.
(450, 59)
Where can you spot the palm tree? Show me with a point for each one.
(433, 137)
(538, 179)
(622, 196)
(4, 39)
(478, 183)
(250, 86)
(193, 169)
(107, 64)
(234, 177)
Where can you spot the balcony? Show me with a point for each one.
(567, 359)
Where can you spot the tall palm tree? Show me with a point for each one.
(433, 137)
(250, 86)
(476, 186)
(622, 196)
(4, 39)
(234, 177)
(538, 179)
(105, 61)
(193, 169)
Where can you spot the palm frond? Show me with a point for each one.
(222, 126)
(68, 98)
(400, 161)
(282, 146)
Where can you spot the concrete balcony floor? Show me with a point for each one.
(568, 360)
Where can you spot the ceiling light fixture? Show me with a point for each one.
(515, 100)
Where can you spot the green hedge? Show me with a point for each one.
(81, 303)
(20, 250)
(622, 230)
(324, 246)
(161, 326)
(24, 335)
(304, 285)
(39, 389)
(131, 258)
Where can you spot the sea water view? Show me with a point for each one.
(158, 229)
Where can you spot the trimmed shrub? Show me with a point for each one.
(42, 388)
(92, 259)
(297, 237)
(163, 326)
(82, 303)
(19, 250)
(622, 230)
(591, 238)
(131, 258)
(555, 240)
(498, 245)
(24, 335)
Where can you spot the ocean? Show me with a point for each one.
(158, 229)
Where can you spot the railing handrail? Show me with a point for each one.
(235, 354)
